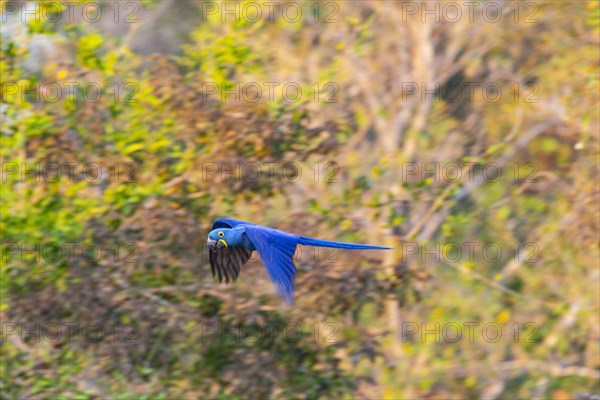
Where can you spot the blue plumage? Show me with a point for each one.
(232, 241)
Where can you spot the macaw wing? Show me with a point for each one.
(229, 223)
(276, 250)
(227, 262)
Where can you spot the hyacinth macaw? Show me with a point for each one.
(232, 241)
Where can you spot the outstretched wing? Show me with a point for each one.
(276, 250)
(227, 262)
(229, 223)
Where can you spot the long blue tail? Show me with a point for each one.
(307, 241)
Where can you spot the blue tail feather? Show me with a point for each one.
(307, 241)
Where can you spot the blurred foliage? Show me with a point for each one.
(157, 128)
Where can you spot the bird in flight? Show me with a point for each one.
(231, 243)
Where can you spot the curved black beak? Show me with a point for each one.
(211, 244)
(215, 244)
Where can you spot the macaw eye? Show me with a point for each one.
(221, 234)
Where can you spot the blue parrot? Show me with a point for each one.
(231, 243)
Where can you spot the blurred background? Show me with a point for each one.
(463, 134)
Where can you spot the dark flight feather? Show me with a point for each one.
(226, 263)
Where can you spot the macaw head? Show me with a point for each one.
(224, 237)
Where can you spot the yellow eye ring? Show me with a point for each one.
(221, 234)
